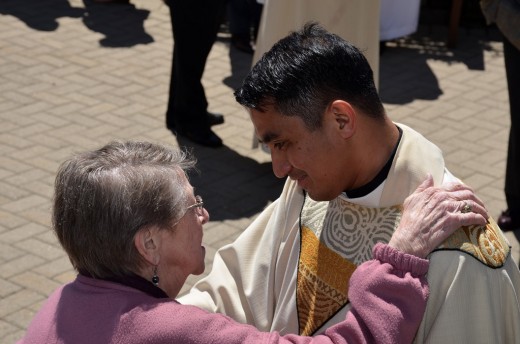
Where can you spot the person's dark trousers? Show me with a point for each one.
(242, 16)
(512, 184)
(195, 25)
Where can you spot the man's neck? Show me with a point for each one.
(379, 144)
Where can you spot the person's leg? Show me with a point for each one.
(256, 15)
(195, 26)
(510, 219)
(194, 33)
(239, 18)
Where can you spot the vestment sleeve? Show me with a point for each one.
(245, 280)
(464, 291)
(238, 284)
(470, 302)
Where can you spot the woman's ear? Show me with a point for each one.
(344, 117)
(147, 241)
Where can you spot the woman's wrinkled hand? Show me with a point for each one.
(431, 214)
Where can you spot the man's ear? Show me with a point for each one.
(344, 117)
(147, 241)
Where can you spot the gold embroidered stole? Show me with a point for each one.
(336, 237)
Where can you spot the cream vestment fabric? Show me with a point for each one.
(289, 269)
(356, 21)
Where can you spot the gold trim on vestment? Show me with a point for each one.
(322, 288)
(485, 243)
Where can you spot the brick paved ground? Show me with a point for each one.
(75, 75)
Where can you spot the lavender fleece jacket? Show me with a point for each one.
(388, 297)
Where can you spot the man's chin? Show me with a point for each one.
(319, 197)
(315, 197)
(200, 270)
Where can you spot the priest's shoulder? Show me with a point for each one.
(484, 243)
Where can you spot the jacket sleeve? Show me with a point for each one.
(388, 296)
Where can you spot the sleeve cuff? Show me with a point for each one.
(399, 260)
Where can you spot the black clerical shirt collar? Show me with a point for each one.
(379, 178)
(136, 282)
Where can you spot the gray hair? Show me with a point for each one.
(104, 197)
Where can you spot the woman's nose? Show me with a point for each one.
(205, 216)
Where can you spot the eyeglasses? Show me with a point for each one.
(199, 206)
(199, 209)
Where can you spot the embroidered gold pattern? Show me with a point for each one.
(337, 236)
(322, 288)
(485, 243)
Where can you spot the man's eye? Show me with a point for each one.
(279, 145)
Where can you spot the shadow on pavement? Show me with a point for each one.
(240, 66)
(40, 15)
(121, 24)
(404, 72)
(220, 178)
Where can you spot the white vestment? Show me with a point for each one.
(398, 18)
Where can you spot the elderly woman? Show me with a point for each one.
(128, 219)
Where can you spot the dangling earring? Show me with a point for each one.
(155, 278)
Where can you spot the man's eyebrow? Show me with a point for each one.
(268, 137)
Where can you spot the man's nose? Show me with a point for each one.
(281, 166)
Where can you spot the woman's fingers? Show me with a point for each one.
(462, 192)
(472, 206)
(431, 214)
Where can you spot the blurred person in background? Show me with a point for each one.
(195, 25)
(506, 15)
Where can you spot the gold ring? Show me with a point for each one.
(466, 208)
